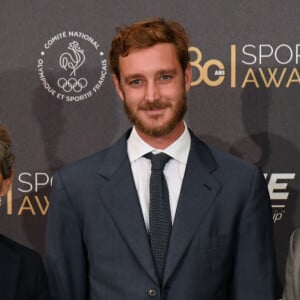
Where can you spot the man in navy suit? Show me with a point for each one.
(99, 232)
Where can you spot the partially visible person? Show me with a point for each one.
(22, 274)
(292, 270)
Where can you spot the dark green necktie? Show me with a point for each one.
(160, 215)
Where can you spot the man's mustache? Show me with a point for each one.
(154, 105)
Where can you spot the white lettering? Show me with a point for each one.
(274, 186)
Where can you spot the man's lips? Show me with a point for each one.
(154, 106)
(154, 112)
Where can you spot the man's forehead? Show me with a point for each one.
(169, 46)
(157, 57)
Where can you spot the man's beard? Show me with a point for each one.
(157, 131)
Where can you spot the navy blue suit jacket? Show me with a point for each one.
(221, 246)
(22, 273)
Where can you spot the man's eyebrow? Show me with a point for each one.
(130, 77)
(167, 71)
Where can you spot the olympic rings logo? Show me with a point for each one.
(72, 84)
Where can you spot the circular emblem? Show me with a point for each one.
(71, 66)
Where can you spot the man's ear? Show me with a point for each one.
(118, 86)
(6, 184)
(188, 77)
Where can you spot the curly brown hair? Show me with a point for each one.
(7, 158)
(147, 33)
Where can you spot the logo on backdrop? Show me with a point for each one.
(72, 67)
(29, 194)
(279, 191)
(260, 65)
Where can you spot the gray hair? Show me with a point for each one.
(7, 158)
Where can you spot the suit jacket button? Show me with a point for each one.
(152, 293)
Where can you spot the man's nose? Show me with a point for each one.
(152, 91)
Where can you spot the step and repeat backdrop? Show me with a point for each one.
(59, 103)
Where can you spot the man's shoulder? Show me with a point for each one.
(224, 159)
(94, 161)
(12, 247)
(85, 162)
(227, 159)
(296, 238)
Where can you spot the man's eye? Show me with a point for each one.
(135, 82)
(165, 77)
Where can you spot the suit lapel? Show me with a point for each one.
(121, 200)
(199, 189)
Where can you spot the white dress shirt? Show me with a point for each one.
(173, 171)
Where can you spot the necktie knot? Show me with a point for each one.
(158, 161)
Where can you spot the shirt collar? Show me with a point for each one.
(179, 150)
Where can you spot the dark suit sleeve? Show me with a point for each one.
(65, 257)
(255, 267)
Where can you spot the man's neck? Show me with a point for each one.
(164, 141)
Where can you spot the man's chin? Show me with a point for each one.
(154, 131)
